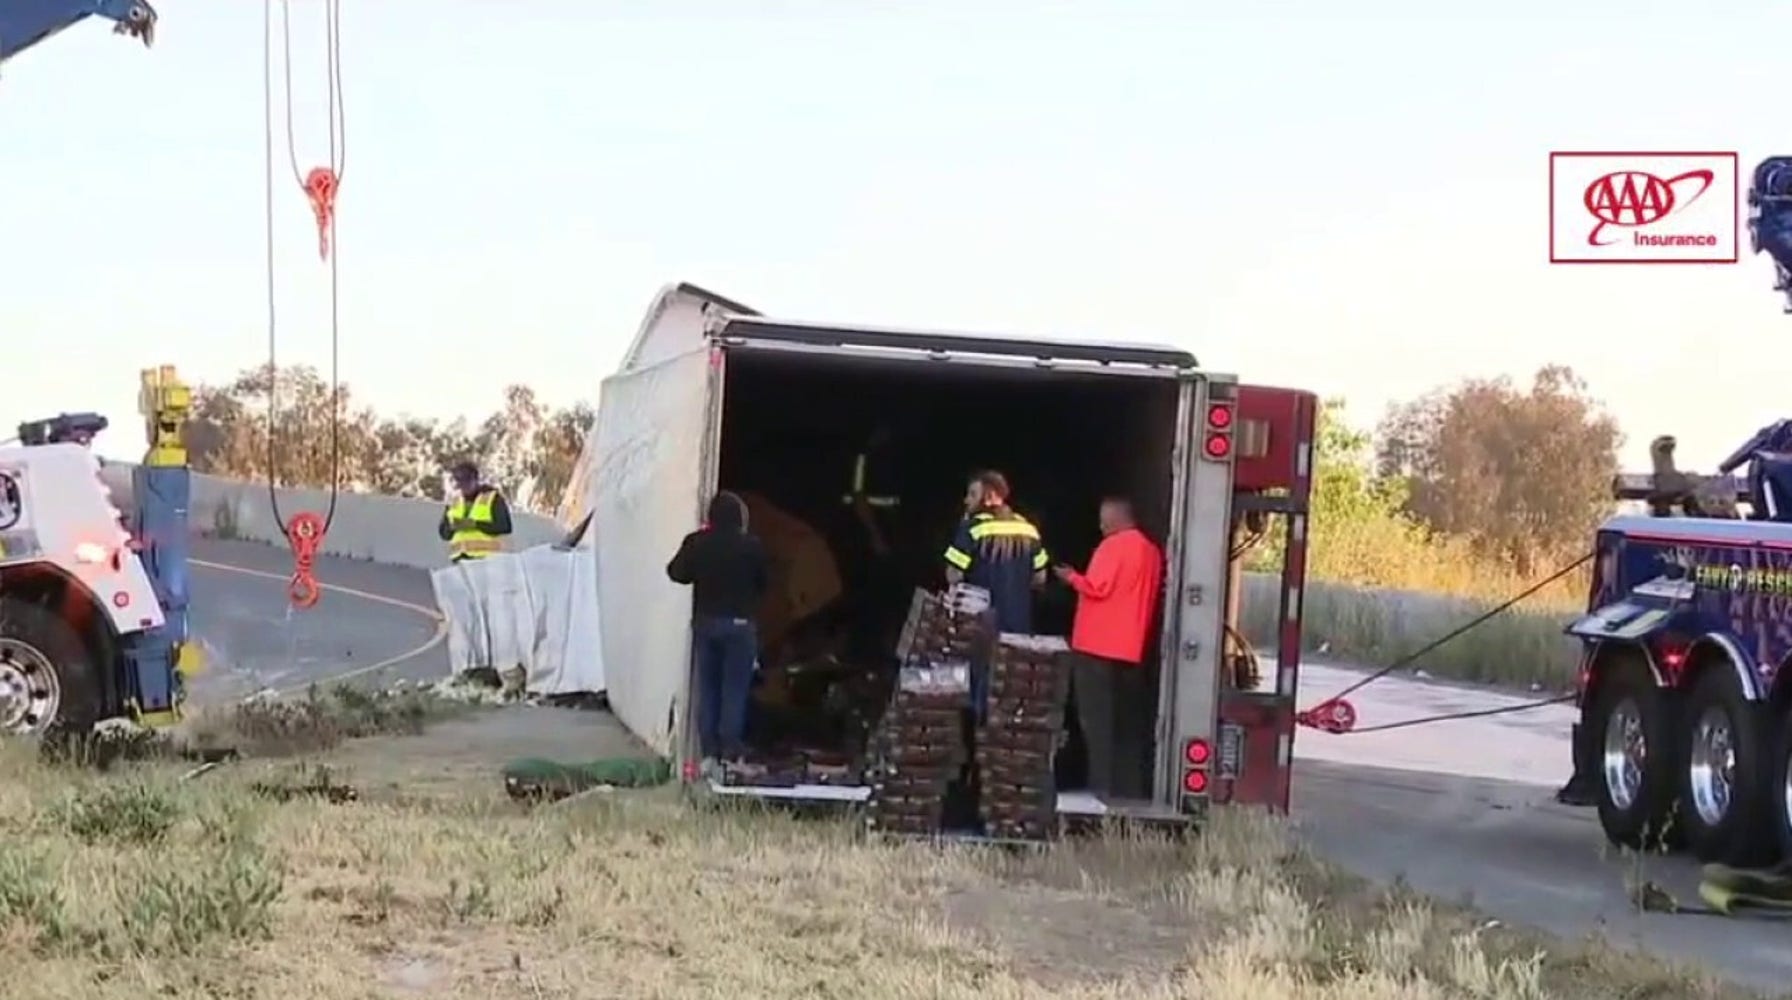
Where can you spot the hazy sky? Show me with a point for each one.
(1345, 197)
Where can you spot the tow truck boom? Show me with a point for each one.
(24, 23)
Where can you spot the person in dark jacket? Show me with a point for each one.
(1000, 551)
(726, 569)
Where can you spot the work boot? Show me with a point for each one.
(1580, 789)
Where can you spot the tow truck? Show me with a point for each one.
(92, 620)
(93, 617)
(1685, 737)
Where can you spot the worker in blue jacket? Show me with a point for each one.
(997, 549)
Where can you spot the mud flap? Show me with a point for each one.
(1634, 619)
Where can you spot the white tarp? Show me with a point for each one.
(535, 609)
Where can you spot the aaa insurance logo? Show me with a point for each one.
(1643, 208)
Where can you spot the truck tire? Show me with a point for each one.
(1778, 793)
(49, 685)
(1724, 771)
(1632, 733)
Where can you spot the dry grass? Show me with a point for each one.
(322, 718)
(1522, 648)
(1387, 554)
(1380, 589)
(135, 883)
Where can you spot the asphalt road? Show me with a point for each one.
(1460, 810)
(1466, 810)
(372, 621)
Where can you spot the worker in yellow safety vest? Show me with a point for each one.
(475, 523)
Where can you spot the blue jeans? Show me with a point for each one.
(726, 649)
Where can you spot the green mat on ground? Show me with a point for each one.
(1735, 891)
(536, 778)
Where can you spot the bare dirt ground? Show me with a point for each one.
(431, 883)
(460, 758)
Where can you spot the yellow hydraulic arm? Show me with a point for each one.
(163, 493)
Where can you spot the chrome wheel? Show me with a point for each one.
(1626, 752)
(1711, 764)
(30, 690)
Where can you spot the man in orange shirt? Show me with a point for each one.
(1116, 608)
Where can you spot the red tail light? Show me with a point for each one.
(1218, 446)
(1197, 754)
(1672, 654)
(1219, 416)
(95, 554)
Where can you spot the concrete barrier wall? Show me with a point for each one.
(393, 530)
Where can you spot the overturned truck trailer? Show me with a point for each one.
(711, 394)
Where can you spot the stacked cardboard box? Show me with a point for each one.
(919, 746)
(1029, 681)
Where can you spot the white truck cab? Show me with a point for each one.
(73, 593)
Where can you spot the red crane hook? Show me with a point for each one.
(305, 533)
(320, 188)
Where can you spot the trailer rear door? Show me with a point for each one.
(1195, 604)
(655, 434)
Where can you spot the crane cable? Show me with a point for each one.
(1337, 715)
(305, 530)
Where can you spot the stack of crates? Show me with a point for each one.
(919, 746)
(1028, 684)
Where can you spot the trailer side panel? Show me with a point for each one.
(647, 485)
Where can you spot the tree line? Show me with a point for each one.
(1515, 474)
(526, 447)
